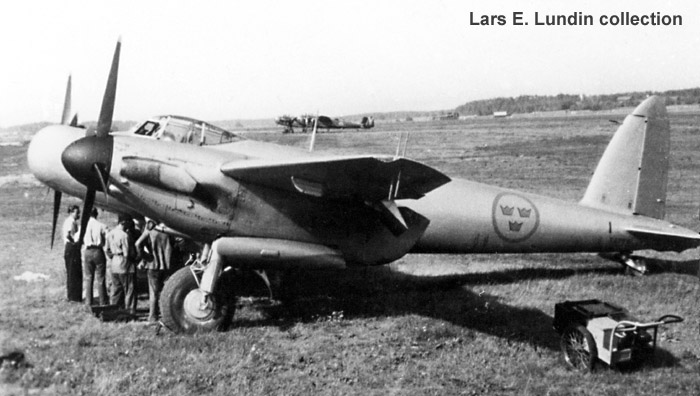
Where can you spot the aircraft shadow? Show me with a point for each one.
(658, 266)
(311, 296)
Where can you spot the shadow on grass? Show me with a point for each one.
(317, 296)
(310, 296)
(659, 359)
(658, 265)
(688, 267)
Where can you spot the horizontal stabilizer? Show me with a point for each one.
(364, 178)
(675, 239)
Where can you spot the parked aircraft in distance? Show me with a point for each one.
(307, 121)
(256, 206)
(339, 123)
(288, 122)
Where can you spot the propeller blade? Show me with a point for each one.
(67, 103)
(64, 121)
(56, 208)
(87, 211)
(74, 121)
(104, 123)
(101, 177)
(93, 154)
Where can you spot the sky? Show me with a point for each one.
(222, 60)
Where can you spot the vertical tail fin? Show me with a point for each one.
(631, 176)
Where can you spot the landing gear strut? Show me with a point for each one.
(185, 308)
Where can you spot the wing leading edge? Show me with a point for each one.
(367, 178)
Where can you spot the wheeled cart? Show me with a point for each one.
(592, 330)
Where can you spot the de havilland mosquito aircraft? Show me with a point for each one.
(256, 205)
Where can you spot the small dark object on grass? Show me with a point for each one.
(14, 360)
(112, 313)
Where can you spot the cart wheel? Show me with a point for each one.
(579, 348)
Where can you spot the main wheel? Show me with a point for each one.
(579, 348)
(183, 310)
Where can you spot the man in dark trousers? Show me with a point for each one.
(120, 249)
(160, 248)
(71, 255)
(94, 261)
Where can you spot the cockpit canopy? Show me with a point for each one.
(184, 130)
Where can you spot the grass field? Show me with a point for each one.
(425, 325)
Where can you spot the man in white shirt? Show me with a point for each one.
(71, 255)
(94, 260)
(122, 253)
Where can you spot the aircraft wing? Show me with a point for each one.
(366, 178)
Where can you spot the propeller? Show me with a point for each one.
(89, 159)
(67, 102)
(64, 121)
(56, 208)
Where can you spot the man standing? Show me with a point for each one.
(158, 245)
(71, 255)
(120, 249)
(94, 259)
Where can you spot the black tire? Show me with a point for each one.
(578, 348)
(180, 310)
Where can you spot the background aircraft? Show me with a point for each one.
(256, 205)
(307, 121)
(289, 122)
(339, 123)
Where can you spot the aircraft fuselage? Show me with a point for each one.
(471, 217)
(464, 216)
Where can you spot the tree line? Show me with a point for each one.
(538, 103)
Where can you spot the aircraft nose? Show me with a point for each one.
(45, 151)
(89, 159)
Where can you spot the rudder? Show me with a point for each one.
(632, 175)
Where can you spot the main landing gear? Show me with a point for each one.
(186, 307)
(202, 296)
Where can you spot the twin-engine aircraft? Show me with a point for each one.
(256, 205)
(307, 121)
(288, 122)
(339, 123)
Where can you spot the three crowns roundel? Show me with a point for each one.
(515, 218)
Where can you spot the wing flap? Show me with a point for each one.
(366, 178)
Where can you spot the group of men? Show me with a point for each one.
(108, 259)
